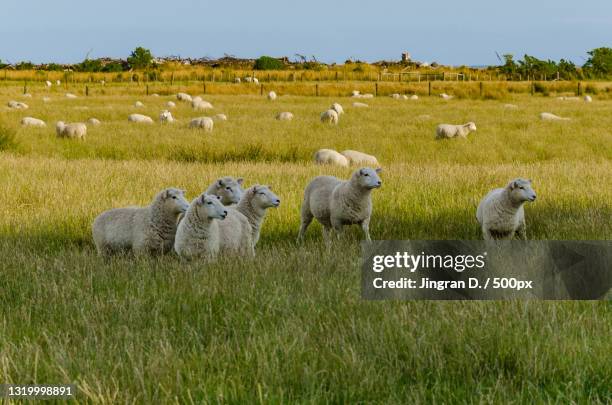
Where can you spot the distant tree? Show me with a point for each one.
(113, 67)
(599, 62)
(2, 64)
(89, 65)
(26, 65)
(54, 67)
(140, 58)
(268, 63)
(509, 67)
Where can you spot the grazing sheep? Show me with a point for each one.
(414, 97)
(48, 83)
(220, 117)
(511, 106)
(501, 214)
(142, 230)
(330, 157)
(355, 93)
(17, 105)
(166, 116)
(272, 96)
(450, 131)
(337, 108)
(329, 116)
(94, 122)
(33, 122)
(254, 204)
(255, 80)
(248, 79)
(445, 96)
(237, 80)
(138, 104)
(170, 104)
(396, 96)
(545, 116)
(196, 99)
(202, 122)
(184, 97)
(139, 118)
(335, 203)
(70, 95)
(200, 105)
(197, 234)
(360, 105)
(588, 99)
(228, 189)
(359, 158)
(72, 130)
(367, 95)
(284, 116)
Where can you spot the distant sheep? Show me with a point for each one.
(414, 97)
(568, 98)
(205, 123)
(237, 80)
(76, 130)
(140, 118)
(588, 99)
(220, 117)
(166, 116)
(48, 83)
(184, 97)
(451, 131)
(330, 157)
(138, 104)
(200, 105)
(330, 117)
(94, 122)
(255, 80)
(545, 116)
(154, 95)
(57, 82)
(367, 95)
(46, 99)
(248, 79)
(228, 189)
(284, 116)
(396, 96)
(70, 95)
(335, 203)
(142, 230)
(360, 105)
(17, 105)
(355, 93)
(501, 214)
(511, 106)
(170, 104)
(359, 158)
(272, 96)
(337, 108)
(27, 95)
(33, 122)
(446, 96)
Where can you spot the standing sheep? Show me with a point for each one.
(184, 97)
(329, 116)
(140, 118)
(237, 80)
(33, 122)
(170, 104)
(228, 189)
(284, 116)
(254, 205)
(48, 83)
(501, 214)
(588, 99)
(143, 230)
(202, 122)
(72, 130)
(335, 203)
(414, 97)
(337, 108)
(359, 158)
(272, 96)
(450, 131)
(330, 157)
(445, 96)
(200, 105)
(166, 116)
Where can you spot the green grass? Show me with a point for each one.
(289, 326)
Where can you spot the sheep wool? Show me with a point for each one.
(451, 131)
(284, 116)
(166, 116)
(33, 122)
(359, 158)
(330, 157)
(140, 118)
(337, 108)
(330, 117)
(184, 97)
(205, 123)
(228, 189)
(71, 130)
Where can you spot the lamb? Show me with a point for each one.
(330, 157)
(138, 104)
(166, 116)
(450, 131)
(142, 230)
(184, 97)
(228, 189)
(501, 214)
(335, 203)
(200, 105)
(72, 130)
(170, 104)
(197, 234)
(70, 95)
(272, 96)
(329, 116)
(220, 117)
(588, 99)
(18, 105)
(359, 158)
(254, 205)
(545, 116)
(337, 108)
(360, 105)
(284, 116)
(202, 122)
(93, 122)
(33, 122)
(140, 118)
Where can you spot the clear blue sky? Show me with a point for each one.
(448, 31)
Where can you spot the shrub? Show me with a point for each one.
(590, 89)
(540, 88)
(140, 58)
(268, 63)
(7, 137)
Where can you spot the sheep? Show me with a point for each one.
(196, 99)
(236, 234)
(255, 80)
(272, 96)
(197, 234)
(396, 96)
(170, 104)
(414, 97)
(330, 157)
(57, 82)
(142, 230)
(48, 83)
(359, 158)
(27, 95)
(567, 98)
(228, 189)
(237, 80)
(18, 105)
(199, 105)
(248, 79)
(254, 204)
(355, 93)
(588, 99)
(33, 122)
(501, 214)
(94, 122)
(72, 130)
(360, 105)
(138, 104)
(46, 99)
(71, 96)
(166, 116)
(450, 131)
(202, 122)
(183, 97)
(284, 116)
(545, 116)
(335, 203)
(367, 95)
(511, 106)
(337, 108)
(140, 118)
(220, 117)
(329, 116)
(445, 96)
(154, 95)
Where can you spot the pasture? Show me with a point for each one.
(289, 326)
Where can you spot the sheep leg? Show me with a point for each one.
(521, 231)
(306, 220)
(487, 234)
(327, 236)
(338, 228)
(365, 226)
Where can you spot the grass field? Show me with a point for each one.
(290, 326)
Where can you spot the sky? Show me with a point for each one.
(450, 32)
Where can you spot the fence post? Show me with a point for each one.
(579, 88)
(532, 88)
(261, 90)
(376, 89)
(172, 79)
(204, 87)
(25, 87)
(429, 88)
(87, 91)
(317, 89)
(481, 88)
(147, 89)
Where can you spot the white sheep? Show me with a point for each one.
(197, 234)
(254, 204)
(27, 95)
(166, 116)
(170, 104)
(545, 116)
(367, 95)
(237, 80)
(359, 158)
(202, 122)
(18, 105)
(568, 98)
(414, 97)
(337, 108)
(71, 130)
(140, 118)
(33, 122)
(284, 116)
(70, 95)
(48, 83)
(446, 96)
(355, 93)
(138, 104)
(335, 203)
(184, 97)
(200, 105)
(196, 99)
(329, 116)
(152, 95)
(236, 234)
(501, 214)
(57, 82)
(360, 105)
(255, 80)
(46, 99)
(444, 131)
(511, 106)
(588, 99)
(396, 96)
(272, 96)
(228, 189)
(94, 122)
(220, 117)
(248, 79)
(142, 230)
(330, 157)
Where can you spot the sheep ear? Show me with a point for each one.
(220, 183)
(255, 188)
(361, 172)
(239, 181)
(200, 200)
(513, 185)
(379, 170)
